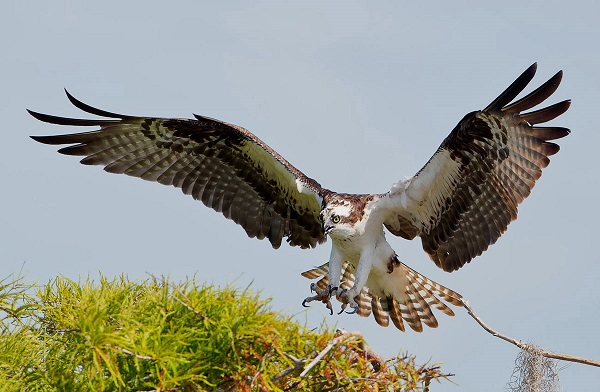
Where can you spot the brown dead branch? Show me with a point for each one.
(527, 346)
(342, 336)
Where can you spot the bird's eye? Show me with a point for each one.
(335, 219)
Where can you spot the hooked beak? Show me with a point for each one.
(327, 228)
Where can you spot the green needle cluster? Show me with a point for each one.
(159, 335)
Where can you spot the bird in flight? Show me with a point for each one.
(459, 203)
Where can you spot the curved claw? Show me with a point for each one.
(323, 295)
(328, 305)
(354, 310)
(344, 298)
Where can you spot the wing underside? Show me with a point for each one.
(463, 199)
(223, 165)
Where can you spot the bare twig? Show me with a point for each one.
(188, 307)
(527, 346)
(298, 363)
(262, 366)
(125, 351)
(375, 359)
(321, 354)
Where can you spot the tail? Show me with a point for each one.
(421, 294)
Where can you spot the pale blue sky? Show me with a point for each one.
(355, 95)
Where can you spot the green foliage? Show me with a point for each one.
(158, 335)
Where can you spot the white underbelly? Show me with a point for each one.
(380, 281)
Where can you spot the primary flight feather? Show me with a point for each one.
(459, 203)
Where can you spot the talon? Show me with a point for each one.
(323, 295)
(345, 298)
(328, 306)
(354, 310)
(332, 289)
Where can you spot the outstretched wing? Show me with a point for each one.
(463, 199)
(223, 165)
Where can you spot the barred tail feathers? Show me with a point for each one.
(414, 308)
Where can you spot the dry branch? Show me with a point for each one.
(375, 359)
(527, 346)
(128, 352)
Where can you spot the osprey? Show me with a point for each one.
(459, 203)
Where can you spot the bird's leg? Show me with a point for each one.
(334, 276)
(346, 297)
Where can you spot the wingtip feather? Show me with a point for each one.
(513, 90)
(39, 116)
(546, 114)
(92, 110)
(200, 117)
(550, 133)
(537, 96)
(40, 139)
(47, 118)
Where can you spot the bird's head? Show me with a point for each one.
(338, 219)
